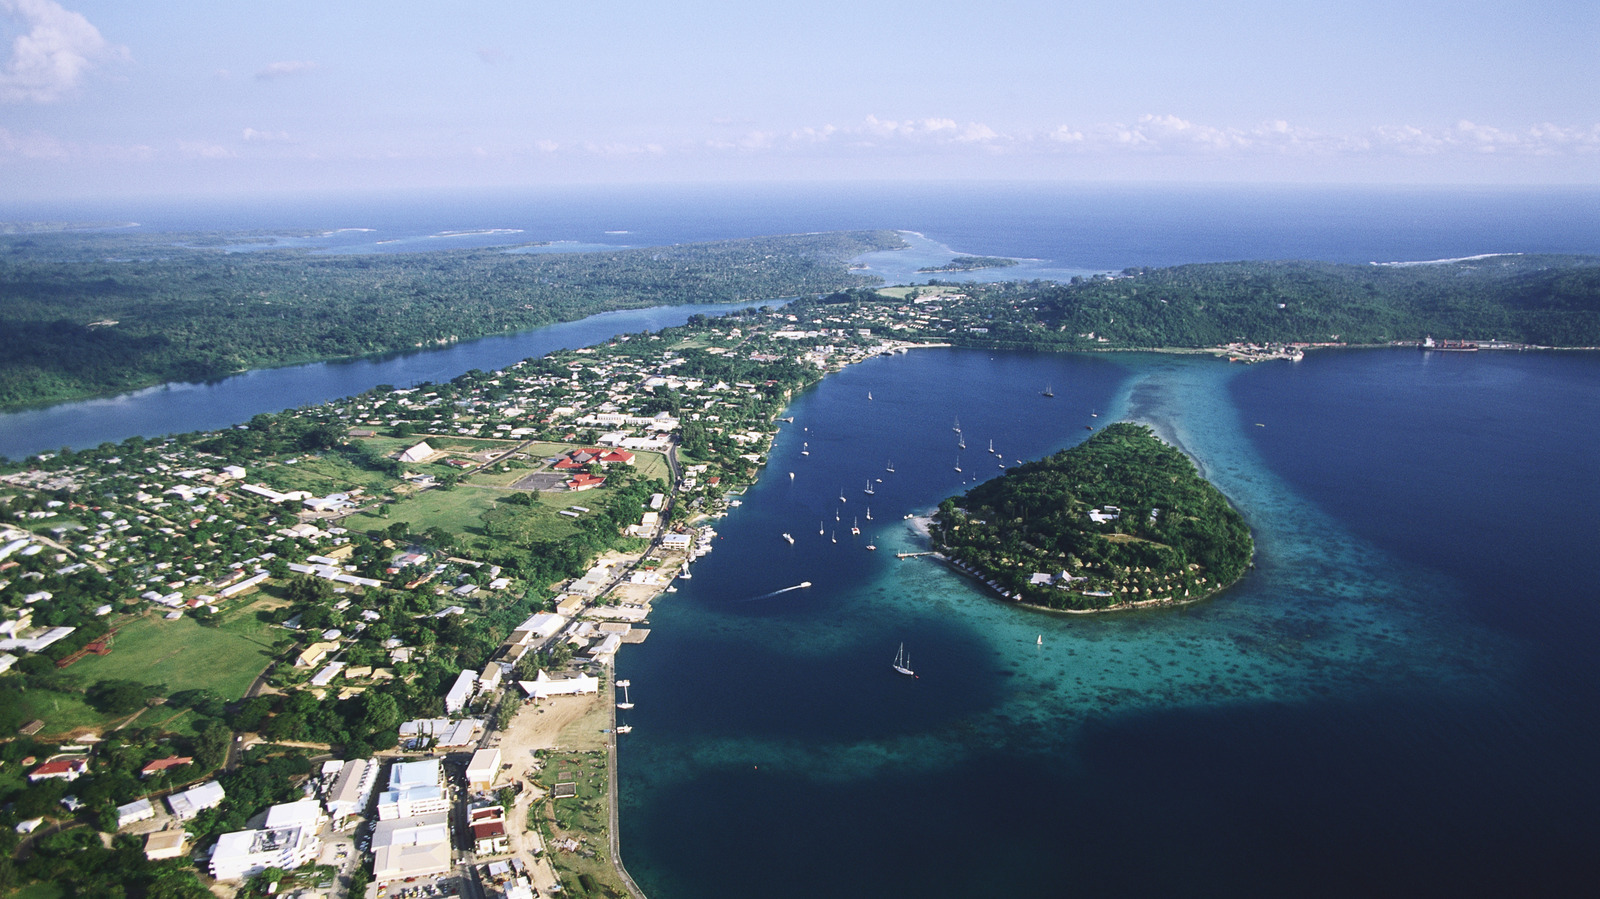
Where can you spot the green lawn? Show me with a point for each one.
(322, 475)
(458, 511)
(183, 654)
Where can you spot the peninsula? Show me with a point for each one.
(1122, 520)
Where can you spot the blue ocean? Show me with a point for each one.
(1401, 698)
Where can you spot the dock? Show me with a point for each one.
(913, 555)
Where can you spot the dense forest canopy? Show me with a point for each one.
(87, 314)
(1539, 300)
(1118, 519)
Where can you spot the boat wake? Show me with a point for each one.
(800, 586)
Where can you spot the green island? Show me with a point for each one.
(240, 608)
(1120, 521)
(970, 264)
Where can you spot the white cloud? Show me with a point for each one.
(275, 70)
(197, 150)
(273, 137)
(51, 58)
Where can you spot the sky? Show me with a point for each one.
(105, 98)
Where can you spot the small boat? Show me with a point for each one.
(791, 475)
(841, 495)
(957, 427)
(869, 396)
(835, 514)
(1040, 641)
(624, 728)
(1048, 391)
(869, 491)
(890, 466)
(789, 538)
(855, 527)
(805, 448)
(626, 703)
(958, 463)
(820, 531)
(991, 445)
(907, 516)
(902, 662)
(834, 537)
(962, 443)
(869, 513)
(872, 547)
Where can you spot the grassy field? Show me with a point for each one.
(322, 475)
(459, 511)
(183, 655)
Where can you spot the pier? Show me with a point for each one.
(913, 555)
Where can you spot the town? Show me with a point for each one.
(358, 649)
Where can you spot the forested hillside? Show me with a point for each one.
(1119, 519)
(85, 314)
(1542, 300)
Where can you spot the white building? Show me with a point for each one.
(411, 847)
(544, 685)
(134, 812)
(245, 852)
(456, 700)
(481, 770)
(415, 788)
(196, 799)
(351, 790)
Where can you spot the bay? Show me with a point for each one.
(1399, 699)
(183, 407)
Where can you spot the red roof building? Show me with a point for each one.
(159, 765)
(585, 482)
(66, 769)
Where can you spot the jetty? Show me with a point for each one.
(914, 555)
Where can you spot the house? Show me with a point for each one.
(585, 481)
(193, 801)
(488, 826)
(165, 844)
(313, 654)
(64, 769)
(134, 812)
(159, 765)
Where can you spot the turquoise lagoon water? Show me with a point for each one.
(1348, 718)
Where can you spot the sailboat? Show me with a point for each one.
(841, 494)
(1040, 641)
(626, 703)
(855, 526)
(820, 531)
(1048, 391)
(805, 448)
(902, 662)
(961, 442)
(991, 444)
(789, 538)
(957, 427)
(869, 513)
(869, 490)
(890, 466)
(869, 396)
(834, 537)
(870, 545)
(958, 463)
